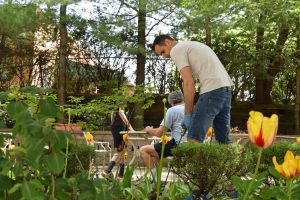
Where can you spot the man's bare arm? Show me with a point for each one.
(188, 89)
(155, 131)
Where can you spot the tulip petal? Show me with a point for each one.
(290, 168)
(298, 163)
(289, 156)
(254, 124)
(125, 138)
(164, 139)
(277, 166)
(210, 132)
(269, 130)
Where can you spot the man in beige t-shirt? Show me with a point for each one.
(197, 60)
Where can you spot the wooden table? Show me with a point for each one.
(134, 137)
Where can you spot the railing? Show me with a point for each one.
(106, 136)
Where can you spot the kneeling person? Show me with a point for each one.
(151, 153)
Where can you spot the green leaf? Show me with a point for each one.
(6, 166)
(3, 124)
(54, 162)
(241, 185)
(296, 190)
(126, 183)
(32, 190)
(58, 139)
(62, 189)
(15, 109)
(274, 173)
(35, 150)
(86, 195)
(5, 182)
(48, 108)
(15, 188)
(272, 193)
(3, 95)
(31, 89)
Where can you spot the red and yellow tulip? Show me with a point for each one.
(164, 139)
(125, 138)
(290, 168)
(298, 140)
(262, 130)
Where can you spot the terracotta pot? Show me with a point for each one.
(75, 128)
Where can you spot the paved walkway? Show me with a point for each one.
(140, 172)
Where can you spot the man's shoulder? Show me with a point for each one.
(176, 108)
(188, 43)
(186, 46)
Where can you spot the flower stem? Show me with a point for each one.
(254, 175)
(289, 188)
(52, 197)
(161, 157)
(67, 148)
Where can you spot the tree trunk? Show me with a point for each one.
(141, 61)
(2, 48)
(208, 32)
(62, 56)
(276, 61)
(259, 70)
(297, 100)
(264, 79)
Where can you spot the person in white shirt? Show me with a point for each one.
(197, 60)
(150, 154)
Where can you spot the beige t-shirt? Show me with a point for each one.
(204, 64)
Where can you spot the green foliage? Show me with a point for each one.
(15, 18)
(269, 184)
(241, 184)
(249, 38)
(41, 154)
(79, 158)
(35, 170)
(211, 165)
(95, 114)
(278, 149)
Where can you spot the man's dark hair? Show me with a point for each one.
(160, 40)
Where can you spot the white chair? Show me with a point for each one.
(7, 142)
(102, 148)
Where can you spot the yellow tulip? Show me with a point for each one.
(125, 156)
(298, 140)
(125, 138)
(164, 139)
(89, 137)
(262, 130)
(298, 164)
(210, 132)
(290, 168)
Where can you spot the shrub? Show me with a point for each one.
(79, 158)
(278, 149)
(210, 166)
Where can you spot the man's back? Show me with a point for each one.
(174, 118)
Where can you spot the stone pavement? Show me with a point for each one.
(140, 172)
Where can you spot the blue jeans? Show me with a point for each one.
(212, 110)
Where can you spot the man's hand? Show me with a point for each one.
(186, 121)
(148, 129)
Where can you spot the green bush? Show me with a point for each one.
(79, 158)
(278, 149)
(210, 166)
